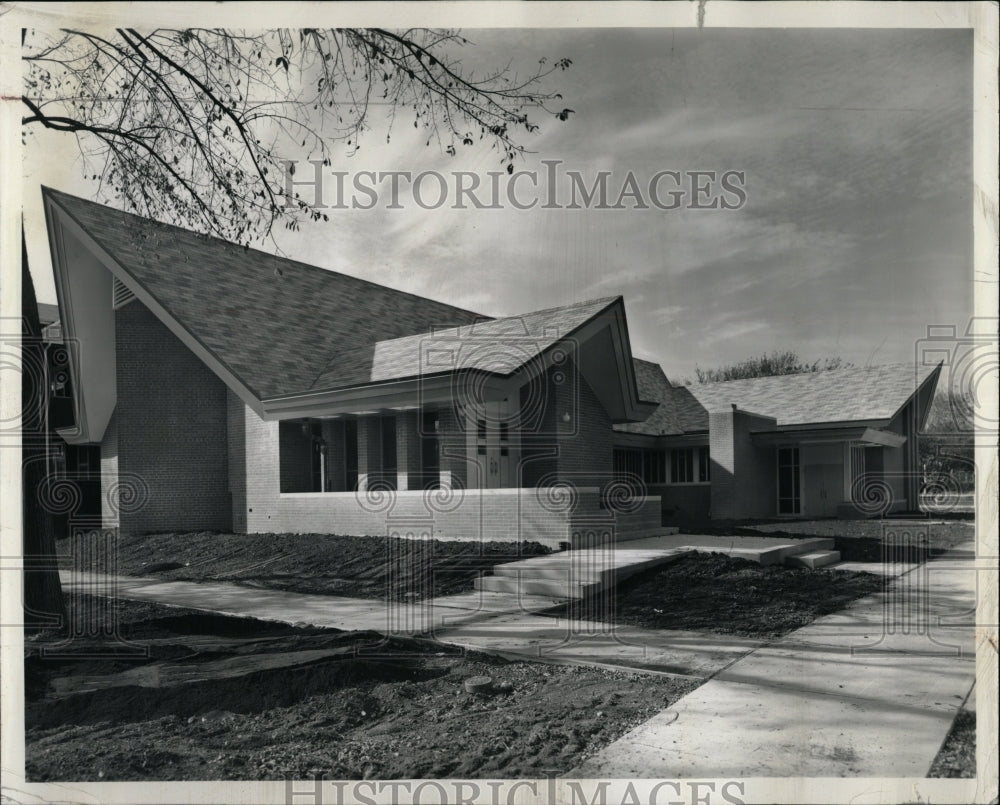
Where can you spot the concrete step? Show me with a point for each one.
(554, 588)
(552, 570)
(578, 542)
(813, 559)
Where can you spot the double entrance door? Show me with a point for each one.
(495, 446)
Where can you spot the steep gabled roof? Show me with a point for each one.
(500, 346)
(273, 322)
(865, 394)
(678, 413)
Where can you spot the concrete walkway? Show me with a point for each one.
(870, 691)
(502, 623)
(507, 623)
(326, 611)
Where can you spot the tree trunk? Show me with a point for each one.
(42, 595)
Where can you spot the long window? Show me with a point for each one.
(689, 465)
(789, 492)
(682, 466)
(649, 465)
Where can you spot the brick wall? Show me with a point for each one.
(171, 428)
(684, 503)
(109, 471)
(453, 447)
(408, 450)
(237, 460)
(586, 441)
(369, 450)
(583, 445)
(743, 475)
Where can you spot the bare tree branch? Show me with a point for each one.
(192, 126)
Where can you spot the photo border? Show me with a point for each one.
(982, 17)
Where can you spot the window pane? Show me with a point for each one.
(704, 463)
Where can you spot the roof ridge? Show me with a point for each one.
(839, 370)
(436, 331)
(582, 303)
(230, 244)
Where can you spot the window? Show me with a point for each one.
(649, 465)
(704, 465)
(690, 465)
(682, 466)
(481, 437)
(504, 439)
(789, 493)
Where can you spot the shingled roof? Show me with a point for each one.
(873, 393)
(678, 413)
(497, 345)
(274, 322)
(864, 394)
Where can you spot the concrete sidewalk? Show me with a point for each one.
(501, 623)
(327, 611)
(869, 691)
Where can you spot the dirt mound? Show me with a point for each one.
(722, 594)
(392, 710)
(366, 567)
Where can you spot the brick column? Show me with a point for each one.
(333, 435)
(408, 450)
(369, 454)
(743, 475)
(454, 471)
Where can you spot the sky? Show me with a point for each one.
(856, 233)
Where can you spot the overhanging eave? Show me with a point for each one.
(868, 436)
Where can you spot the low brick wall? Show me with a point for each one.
(547, 514)
(503, 515)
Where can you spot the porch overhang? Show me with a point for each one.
(600, 349)
(370, 398)
(661, 441)
(863, 435)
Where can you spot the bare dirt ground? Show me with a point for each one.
(215, 701)
(957, 757)
(363, 567)
(727, 595)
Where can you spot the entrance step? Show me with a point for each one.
(551, 587)
(583, 537)
(813, 559)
